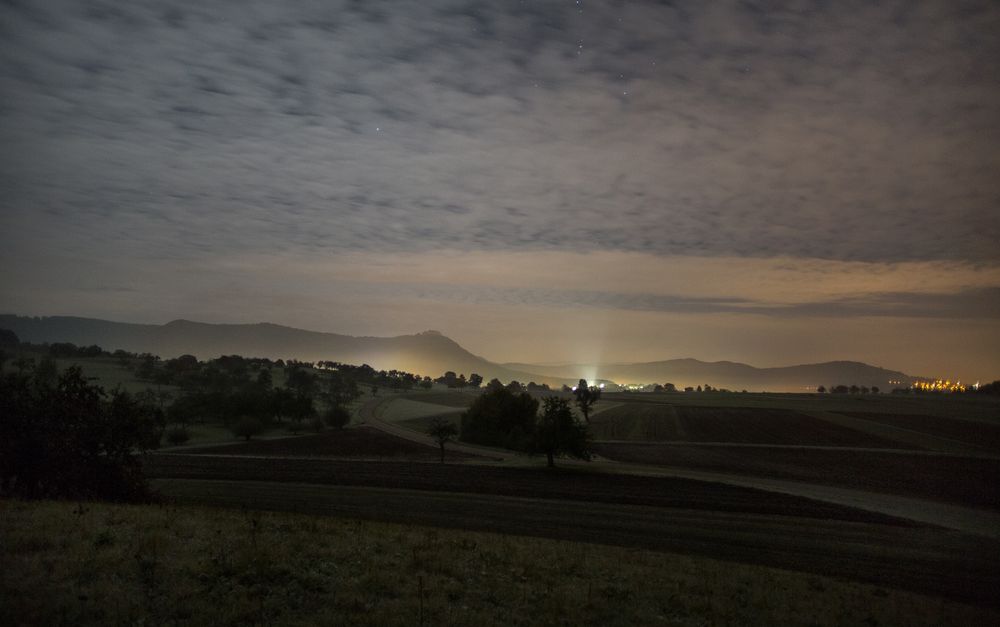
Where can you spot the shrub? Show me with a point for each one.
(501, 418)
(178, 435)
(247, 427)
(337, 417)
(68, 438)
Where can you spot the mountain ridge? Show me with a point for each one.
(428, 352)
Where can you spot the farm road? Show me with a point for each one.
(922, 559)
(974, 521)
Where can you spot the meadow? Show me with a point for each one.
(98, 564)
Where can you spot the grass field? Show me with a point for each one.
(106, 564)
(402, 409)
(455, 399)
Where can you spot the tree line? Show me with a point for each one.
(508, 417)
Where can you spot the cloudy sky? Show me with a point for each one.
(768, 182)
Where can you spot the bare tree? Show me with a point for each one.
(586, 398)
(443, 431)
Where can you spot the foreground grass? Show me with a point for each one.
(110, 564)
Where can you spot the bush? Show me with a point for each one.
(337, 417)
(178, 435)
(501, 418)
(315, 424)
(247, 427)
(68, 438)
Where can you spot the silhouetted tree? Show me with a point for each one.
(451, 380)
(875, 389)
(341, 389)
(247, 427)
(501, 418)
(177, 435)
(558, 431)
(264, 379)
(821, 389)
(301, 382)
(8, 339)
(475, 380)
(494, 385)
(46, 373)
(337, 417)
(586, 398)
(71, 439)
(989, 388)
(443, 431)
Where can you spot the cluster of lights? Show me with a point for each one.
(939, 386)
(601, 386)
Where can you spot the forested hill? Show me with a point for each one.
(428, 353)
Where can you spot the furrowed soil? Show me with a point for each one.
(562, 484)
(352, 443)
(953, 479)
(968, 407)
(751, 425)
(977, 433)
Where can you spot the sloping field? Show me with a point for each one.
(637, 421)
(924, 559)
(400, 409)
(969, 407)
(751, 425)
(150, 565)
(353, 443)
(769, 426)
(459, 400)
(953, 479)
(563, 484)
(977, 433)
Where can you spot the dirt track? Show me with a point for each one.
(922, 559)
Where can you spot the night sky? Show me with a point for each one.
(773, 183)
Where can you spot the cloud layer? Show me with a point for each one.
(714, 179)
(810, 130)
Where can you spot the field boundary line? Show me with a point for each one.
(903, 435)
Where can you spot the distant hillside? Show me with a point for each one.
(731, 375)
(428, 353)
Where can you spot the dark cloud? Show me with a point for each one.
(812, 129)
